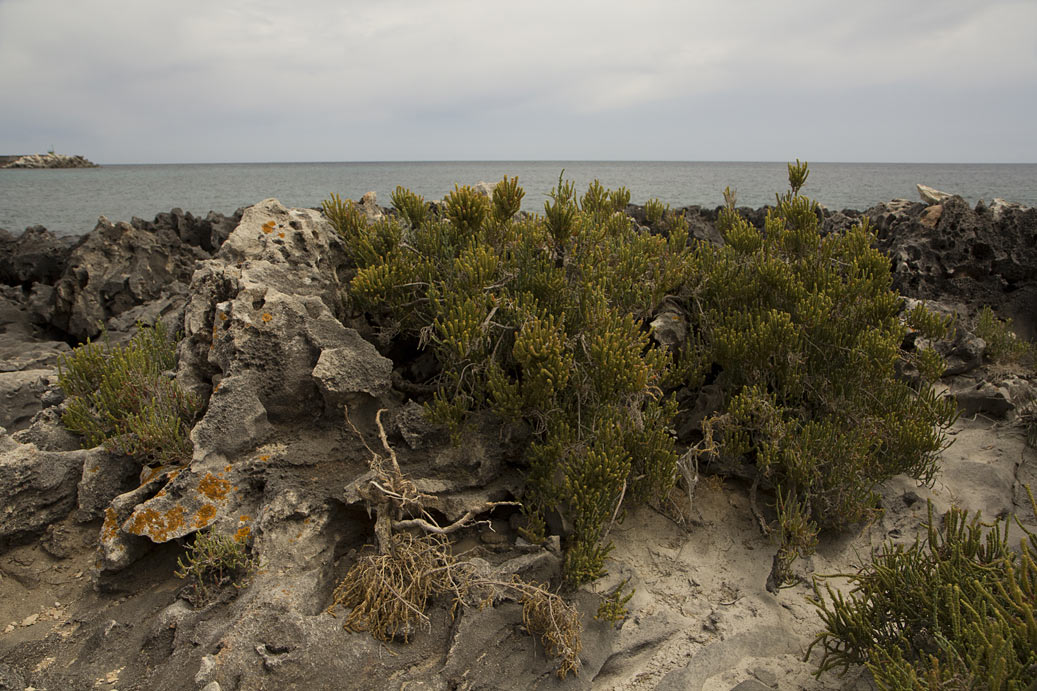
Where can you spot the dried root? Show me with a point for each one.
(387, 593)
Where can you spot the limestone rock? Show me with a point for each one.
(369, 205)
(104, 477)
(21, 347)
(37, 487)
(984, 398)
(930, 195)
(347, 370)
(21, 395)
(117, 267)
(35, 256)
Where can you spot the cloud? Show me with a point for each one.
(237, 80)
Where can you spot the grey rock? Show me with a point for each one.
(37, 487)
(984, 398)
(35, 256)
(21, 346)
(47, 433)
(114, 268)
(21, 396)
(105, 476)
(353, 368)
(930, 195)
(369, 205)
(965, 355)
(967, 256)
(670, 328)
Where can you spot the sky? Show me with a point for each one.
(150, 81)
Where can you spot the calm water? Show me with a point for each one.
(68, 202)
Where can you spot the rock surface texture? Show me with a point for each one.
(90, 540)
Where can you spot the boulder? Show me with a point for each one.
(37, 487)
(35, 256)
(963, 255)
(22, 396)
(114, 268)
(930, 195)
(369, 205)
(22, 347)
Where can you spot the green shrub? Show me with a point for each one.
(953, 611)
(543, 319)
(124, 398)
(540, 320)
(654, 211)
(213, 561)
(1003, 345)
(806, 334)
(410, 206)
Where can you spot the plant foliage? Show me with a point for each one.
(538, 319)
(1003, 345)
(806, 334)
(124, 397)
(955, 610)
(213, 561)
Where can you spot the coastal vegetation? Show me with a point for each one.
(543, 320)
(126, 398)
(955, 610)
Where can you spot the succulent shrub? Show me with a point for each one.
(804, 333)
(654, 211)
(214, 560)
(538, 319)
(955, 610)
(125, 397)
(1003, 345)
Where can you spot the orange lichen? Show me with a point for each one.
(268, 227)
(223, 316)
(281, 234)
(242, 533)
(111, 524)
(204, 516)
(267, 317)
(95, 469)
(213, 487)
(227, 468)
(216, 387)
(264, 458)
(245, 518)
(160, 526)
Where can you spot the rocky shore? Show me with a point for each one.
(88, 596)
(47, 160)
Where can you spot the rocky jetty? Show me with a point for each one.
(49, 160)
(90, 539)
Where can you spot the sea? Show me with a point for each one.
(69, 202)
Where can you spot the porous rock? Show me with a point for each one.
(970, 256)
(35, 256)
(114, 268)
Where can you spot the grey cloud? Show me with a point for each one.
(124, 81)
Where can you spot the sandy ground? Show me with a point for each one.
(701, 617)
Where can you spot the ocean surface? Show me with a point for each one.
(68, 202)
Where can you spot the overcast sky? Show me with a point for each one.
(128, 81)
